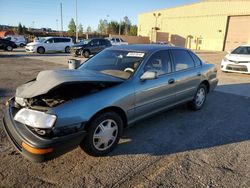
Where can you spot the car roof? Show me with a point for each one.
(144, 47)
(245, 45)
(57, 37)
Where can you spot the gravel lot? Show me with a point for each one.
(177, 148)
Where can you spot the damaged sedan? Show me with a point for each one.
(92, 104)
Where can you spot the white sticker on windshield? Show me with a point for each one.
(135, 54)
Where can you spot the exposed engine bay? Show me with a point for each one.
(66, 92)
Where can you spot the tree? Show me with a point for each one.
(24, 29)
(113, 27)
(89, 29)
(127, 24)
(133, 30)
(20, 28)
(72, 27)
(102, 26)
(80, 29)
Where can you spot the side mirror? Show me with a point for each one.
(148, 75)
(74, 63)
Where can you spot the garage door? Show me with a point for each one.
(238, 32)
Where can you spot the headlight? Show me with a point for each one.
(225, 60)
(20, 101)
(35, 119)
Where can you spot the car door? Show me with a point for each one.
(156, 94)
(187, 74)
(49, 45)
(94, 45)
(2, 44)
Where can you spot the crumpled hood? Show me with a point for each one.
(238, 57)
(47, 80)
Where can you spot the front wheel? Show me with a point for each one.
(103, 134)
(85, 53)
(9, 48)
(199, 99)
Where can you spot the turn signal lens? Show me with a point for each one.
(35, 150)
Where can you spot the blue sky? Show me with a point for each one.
(44, 13)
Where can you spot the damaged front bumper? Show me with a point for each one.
(32, 146)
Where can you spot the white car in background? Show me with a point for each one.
(117, 41)
(50, 44)
(237, 61)
(19, 40)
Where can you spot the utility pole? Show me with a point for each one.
(76, 24)
(56, 25)
(61, 20)
(156, 28)
(120, 27)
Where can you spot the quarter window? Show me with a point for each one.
(159, 62)
(197, 60)
(182, 59)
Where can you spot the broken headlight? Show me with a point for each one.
(20, 101)
(35, 119)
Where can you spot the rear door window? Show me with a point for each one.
(196, 59)
(182, 59)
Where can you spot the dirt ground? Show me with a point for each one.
(177, 148)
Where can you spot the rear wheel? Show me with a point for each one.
(103, 134)
(9, 48)
(67, 49)
(41, 50)
(199, 99)
(21, 45)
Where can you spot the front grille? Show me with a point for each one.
(242, 68)
(238, 61)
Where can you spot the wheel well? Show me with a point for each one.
(118, 110)
(40, 47)
(206, 83)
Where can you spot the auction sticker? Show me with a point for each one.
(135, 54)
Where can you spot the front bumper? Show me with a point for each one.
(19, 134)
(228, 66)
(75, 52)
(31, 49)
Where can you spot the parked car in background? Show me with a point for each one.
(117, 41)
(19, 40)
(164, 43)
(237, 61)
(7, 45)
(50, 44)
(89, 47)
(90, 106)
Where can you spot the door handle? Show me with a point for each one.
(171, 81)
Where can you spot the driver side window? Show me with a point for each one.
(50, 40)
(159, 62)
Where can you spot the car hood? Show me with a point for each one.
(50, 79)
(33, 43)
(78, 45)
(238, 57)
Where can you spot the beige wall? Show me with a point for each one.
(205, 22)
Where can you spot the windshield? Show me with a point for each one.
(85, 41)
(40, 39)
(244, 50)
(117, 63)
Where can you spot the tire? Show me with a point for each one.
(9, 48)
(21, 45)
(67, 49)
(85, 53)
(199, 99)
(108, 123)
(40, 50)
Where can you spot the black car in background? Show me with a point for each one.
(89, 46)
(7, 45)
